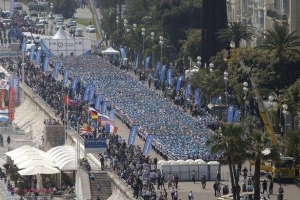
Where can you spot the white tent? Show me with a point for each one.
(17, 150)
(110, 51)
(28, 151)
(38, 169)
(33, 162)
(33, 155)
(60, 34)
(64, 157)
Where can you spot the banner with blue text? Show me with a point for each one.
(148, 144)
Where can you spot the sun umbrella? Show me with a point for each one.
(38, 169)
(17, 150)
(33, 155)
(29, 151)
(33, 162)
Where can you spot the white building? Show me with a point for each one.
(261, 14)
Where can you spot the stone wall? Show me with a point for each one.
(54, 135)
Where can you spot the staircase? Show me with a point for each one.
(105, 183)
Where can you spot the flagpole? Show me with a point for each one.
(65, 120)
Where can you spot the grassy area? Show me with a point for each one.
(84, 22)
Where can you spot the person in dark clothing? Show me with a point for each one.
(8, 140)
(102, 162)
(215, 188)
(271, 187)
(265, 186)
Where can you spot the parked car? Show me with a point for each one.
(6, 22)
(51, 16)
(59, 24)
(43, 19)
(90, 29)
(78, 32)
(70, 23)
(18, 6)
(23, 12)
(34, 13)
(72, 29)
(58, 19)
(40, 25)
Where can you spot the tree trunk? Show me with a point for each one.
(257, 178)
(236, 178)
(231, 177)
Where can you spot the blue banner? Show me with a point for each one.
(91, 94)
(148, 144)
(147, 61)
(12, 7)
(123, 53)
(132, 134)
(236, 115)
(188, 90)
(31, 55)
(163, 73)
(86, 92)
(112, 115)
(169, 77)
(179, 80)
(74, 83)
(46, 63)
(107, 128)
(24, 44)
(157, 67)
(94, 145)
(230, 112)
(14, 81)
(198, 97)
(98, 101)
(56, 70)
(66, 76)
(37, 57)
(104, 107)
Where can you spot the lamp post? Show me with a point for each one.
(134, 26)
(226, 82)
(285, 113)
(211, 67)
(125, 23)
(51, 26)
(117, 21)
(143, 34)
(245, 89)
(271, 98)
(152, 38)
(161, 42)
(199, 61)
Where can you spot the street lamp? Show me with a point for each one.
(271, 98)
(199, 61)
(51, 15)
(117, 21)
(226, 81)
(285, 113)
(143, 34)
(211, 67)
(152, 38)
(125, 23)
(245, 89)
(161, 42)
(134, 26)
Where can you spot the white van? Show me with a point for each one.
(32, 38)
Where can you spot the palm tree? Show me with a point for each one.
(236, 32)
(262, 149)
(230, 142)
(280, 40)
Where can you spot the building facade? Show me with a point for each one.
(262, 14)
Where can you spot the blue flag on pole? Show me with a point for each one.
(147, 61)
(155, 74)
(236, 115)
(179, 80)
(198, 97)
(74, 83)
(163, 73)
(123, 53)
(107, 128)
(169, 77)
(24, 44)
(230, 114)
(188, 90)
(98, 101)
(112, 115)
(132, 134)
(66, 76)
(46, 63)
(104, 107)
(56, 70)
(32, 50)
(86, 92)
(148, 144)
(91, 95)
(37, 57)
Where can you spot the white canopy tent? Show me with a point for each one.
(33, 155)
(38, 169)
(60, 34)
(111, 51)
(17, 150)
(33, 162)
(28, 151)
(64, 157)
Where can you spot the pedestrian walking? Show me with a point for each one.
(218, 176)
(264, 186)
(271, 187)
(98, 186)
(215, 188)
(8, 140)
(176, 179)
(191, 195)
(92, 176)
(194, 176)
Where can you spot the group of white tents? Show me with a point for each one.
(33, 161)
